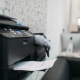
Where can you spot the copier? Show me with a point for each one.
(17, 44)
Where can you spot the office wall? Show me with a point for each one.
(74, 7)
(5, 7)
(68, 15)
(75, 12)
(31, 13)
(56, 22)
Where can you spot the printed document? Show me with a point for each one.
(34, 65)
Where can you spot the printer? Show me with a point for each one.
(16, 44)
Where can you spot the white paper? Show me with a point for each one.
(34, 65)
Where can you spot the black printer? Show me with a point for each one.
(16, 44)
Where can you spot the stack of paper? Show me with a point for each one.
(34, 65)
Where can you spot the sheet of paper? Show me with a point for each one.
(34, 65)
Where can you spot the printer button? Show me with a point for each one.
(14, 33)
(10, 29)
(13, 36)
(5, 29)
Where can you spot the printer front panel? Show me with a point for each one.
(15, 49)
(19, 48)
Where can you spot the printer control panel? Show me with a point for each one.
(16, 33)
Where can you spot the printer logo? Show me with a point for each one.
(24, 43)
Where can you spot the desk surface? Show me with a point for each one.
(74, 54)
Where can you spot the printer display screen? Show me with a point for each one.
(18, 32)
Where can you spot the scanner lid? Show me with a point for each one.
(12, 25)
(9, 22)
(4, 17)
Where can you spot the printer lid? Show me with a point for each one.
(4, 17)
(12, 25)
(9, 22)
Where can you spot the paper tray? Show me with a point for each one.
(34, 65)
